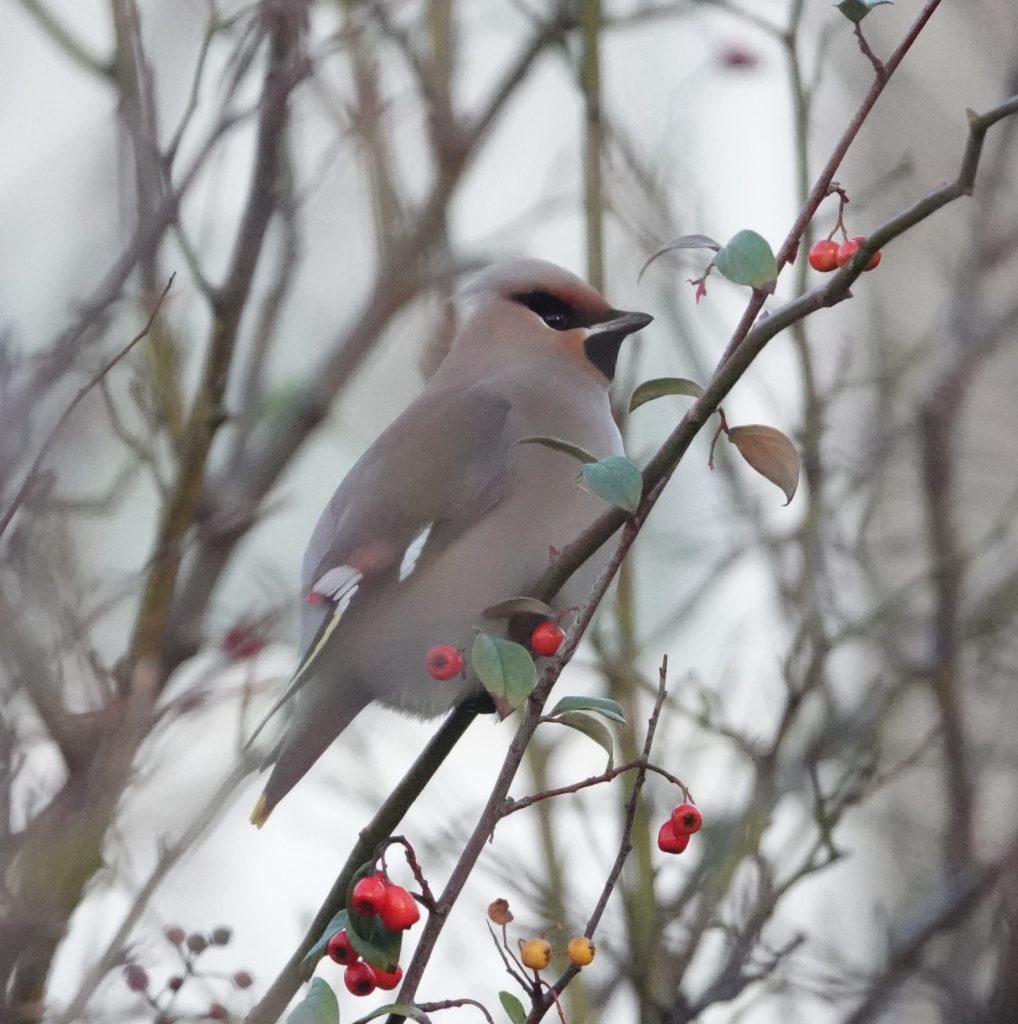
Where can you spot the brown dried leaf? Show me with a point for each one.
(499, 912)
(770, 453)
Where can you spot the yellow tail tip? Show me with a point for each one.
(261, 812)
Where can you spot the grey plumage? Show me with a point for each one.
(530, 357)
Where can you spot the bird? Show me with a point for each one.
(446, 514)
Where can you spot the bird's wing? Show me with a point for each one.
(439, 464)
(426, 480)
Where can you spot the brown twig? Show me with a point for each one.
(820, 189)
(452, 1004)
(625, 846)
(92, 382)
(878, 64)
(639, 764)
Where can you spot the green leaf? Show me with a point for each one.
(399, 1009)
(518, 606)
(317, 951)
(661, 386)
(617, 480)
(375, 943)
(682, 242)
(603, 706)
(591, 727)
(505, 668)
(513, 1007)
(319, 1006)
(856, 10)
(748, 259)
(558, 445)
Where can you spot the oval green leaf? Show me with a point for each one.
(375, 943)
(856, 10)
(747, 259)
(319, 1006)
(513, 1007)
(591, 727)
(603, 706)
(558, 445)
(661, 386)
(518, 606)
(397, 1010)
(617, 480)
(504, 668)
(317, 951)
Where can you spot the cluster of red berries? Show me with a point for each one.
(673, 836)
(397, 911)
(828, 255)
(443, 661)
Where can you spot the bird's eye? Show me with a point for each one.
(556, 313)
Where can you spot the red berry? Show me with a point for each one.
(340, 949)
(218, 1012)
(874, 262)
(738, 57)
(175, 934)
(243, 979)
(669, 840)
(136, 977)
(687, 819)
(359, 978)
(399, 910)
(546, 639)
(243, 641)
(388, 980)
(823, 256)
(175, 983)
(443, 662)
(847, 250)
(368, 896)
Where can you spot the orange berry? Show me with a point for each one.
(823, 256)
(536, 953)
(581, 950)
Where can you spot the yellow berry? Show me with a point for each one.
(536, 953)
(581, 950)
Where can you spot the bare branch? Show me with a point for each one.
(96, 378)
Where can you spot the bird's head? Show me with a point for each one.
(529, 310)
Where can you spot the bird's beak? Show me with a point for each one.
(622, 323)
(604, 339)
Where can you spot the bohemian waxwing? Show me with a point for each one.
(445, 516)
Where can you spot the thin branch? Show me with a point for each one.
(823, 183)
(95, 379)
(284, 71)
(659, 469)
(113, 955)
(640, 764)
(959, 898)
(67, 41)
(625, 846)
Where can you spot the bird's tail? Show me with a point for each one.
(321, 714)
